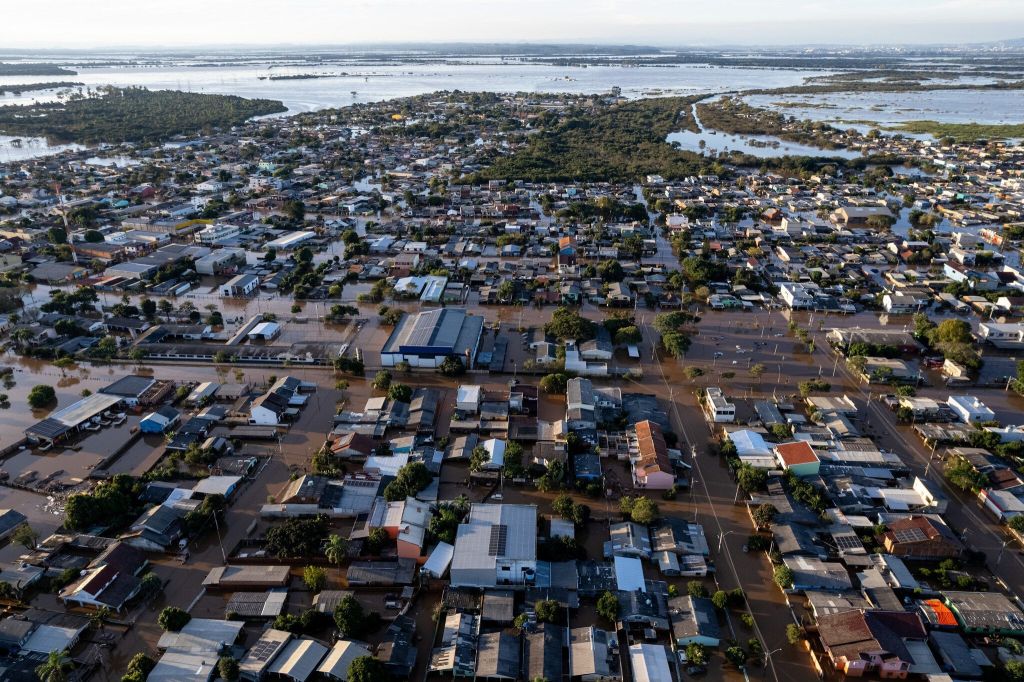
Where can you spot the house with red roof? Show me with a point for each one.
(921, 537)
(652, 468)
(863, 642)
(798, 457)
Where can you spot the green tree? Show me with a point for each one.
(227, 668)
(756, 371)
(452, 366)
(41, 396)
(296, 538)
(964, 476)
(720, 599)
(611, 271)
(138, 668)
(736, 655)
(315, 578)
(376, 541)
(400, 393)
(1016, 523)
(640, 509)
(764, 515)
(563, 505)
(567, 324)
(352, 620)
(547, 610)
(697, 653)
(151, 584)
(1015, 669)
(506, 290)
(951, 331)
(696, 588)
(99, 617)
(367, 669)
(554, 384)
(336, 549)
(794, 633)
(628, 336)
(608, 607)
(382, 380)
(479, 458)
(751, 479)
(55, 668)
(25, 536)
(410, 480)
(783, 576)
(173, 619)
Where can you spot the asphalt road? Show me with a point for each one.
(727, 526)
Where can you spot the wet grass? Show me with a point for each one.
(964, 132)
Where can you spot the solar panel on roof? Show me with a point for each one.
(909, 535)
(847, 542)
(262, 650)
(498, 540)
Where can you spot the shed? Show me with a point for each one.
(439, 560)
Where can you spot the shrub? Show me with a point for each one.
(696, 653)
(695, 588)
(736, 655)
(382, 380)
(41, 396)
(783, 576)
(173, 619)
(315, 578)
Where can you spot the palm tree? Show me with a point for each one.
(55, 668)
(100, 616)
(337, 548)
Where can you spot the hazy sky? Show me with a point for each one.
(83, 23)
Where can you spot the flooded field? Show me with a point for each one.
(714, 142)
(868, 109)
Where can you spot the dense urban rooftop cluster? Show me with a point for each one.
(336, 398)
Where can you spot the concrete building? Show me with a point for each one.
(970, 409)
(496, 546)
(427, 338)
(717, 407)
(240, 285)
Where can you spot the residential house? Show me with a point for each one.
(694, 620)
(497, 545)
(921, 537)
(860, 643)
(652, 467)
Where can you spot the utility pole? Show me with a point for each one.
(64, 216)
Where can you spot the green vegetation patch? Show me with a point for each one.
(618, 143)
(964, 132)
(132, 115)
(26, 69)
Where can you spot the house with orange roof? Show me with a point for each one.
(652, 468)
(798, 457)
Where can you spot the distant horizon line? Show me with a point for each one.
(435, 44)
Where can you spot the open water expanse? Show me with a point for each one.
(365, 80)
